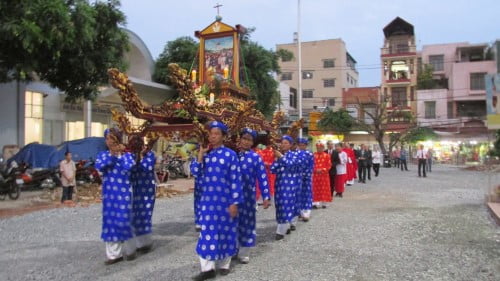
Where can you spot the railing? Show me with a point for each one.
(399, 50)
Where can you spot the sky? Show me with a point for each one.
(358, 23)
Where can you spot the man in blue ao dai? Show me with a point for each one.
(217, 167)
(252, 171)
(115, 165)
(304, 196)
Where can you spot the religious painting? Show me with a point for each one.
(219, 56)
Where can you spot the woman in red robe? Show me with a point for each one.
(321, 177)
(267, 155)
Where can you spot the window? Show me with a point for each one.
(286, 76)
(331, 102)
(371, 110)
(437, 62)
(430, 109)
(307, 75)
(293, 97)
(398, 97)
(399, 70)
(353, 111)
(328, 63)
(307, 94)
(33, 117)
(328, 83)
(477, 81)
(76, 130)
(450, 109)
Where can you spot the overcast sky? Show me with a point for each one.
(358, 22)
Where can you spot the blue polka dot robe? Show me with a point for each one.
(304, 194)
(220, 181)
(286, 186)
(252, 171)
(144, 188)
(116, 196)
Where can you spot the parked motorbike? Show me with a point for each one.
(86, 172)
(39, 178)
(9, 184)
(175, 168)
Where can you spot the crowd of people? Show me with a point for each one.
(228, 184)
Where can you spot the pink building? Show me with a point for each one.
(456, 103)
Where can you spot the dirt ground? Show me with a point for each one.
(32, 201)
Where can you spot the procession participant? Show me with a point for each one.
(217, 169)
(297, 172)
(252, 171)
(267, 155)
(351, 167)
(334, 159)
(286, 184)
(320, 178)
(340, 177)
(115, 165)
(144, 191)
(304, 198)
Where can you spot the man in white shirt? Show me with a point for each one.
(341, 175)
(422, 160)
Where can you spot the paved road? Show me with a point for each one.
(395, 227)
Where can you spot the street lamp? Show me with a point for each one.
(300, 64)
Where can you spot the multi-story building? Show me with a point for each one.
(399, 71)
(327, 68)
(456, 101)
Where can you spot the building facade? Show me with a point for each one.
(456, 102)
(399, 71)
(36, 112)
(327, 68)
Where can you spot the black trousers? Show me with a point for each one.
(369, 171)
(362, 172)
(403, 164)
(376, 169)
(422, 166)
(67, 193)
(332, 178)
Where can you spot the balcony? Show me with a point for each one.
(399, 51)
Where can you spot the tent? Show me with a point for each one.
(47, 156)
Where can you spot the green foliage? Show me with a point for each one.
(419, 134)
(67, 43)
(425, 79)
(495, 151)
(336, 121)
(182, 51)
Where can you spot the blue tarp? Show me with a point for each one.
(48, 156)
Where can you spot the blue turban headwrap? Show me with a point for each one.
(218, 124)
(303, 140)
(250, 132)
(288, 138)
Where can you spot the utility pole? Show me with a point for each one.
(299, 45)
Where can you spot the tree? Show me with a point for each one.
(495, 151)
(68, 43)
(182, 51)
(336, 121)
(425, 79)
(258, 66)
(380, 116)
(419, 134)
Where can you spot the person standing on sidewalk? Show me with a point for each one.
(253, 171)
(362, 163)
(333, 159)
(68, 171)
(430, 154)
(218, 170)
(286, 186)
(403, 157)
(422, 160)
(376, 159)
(117, 231)
(143, 182)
